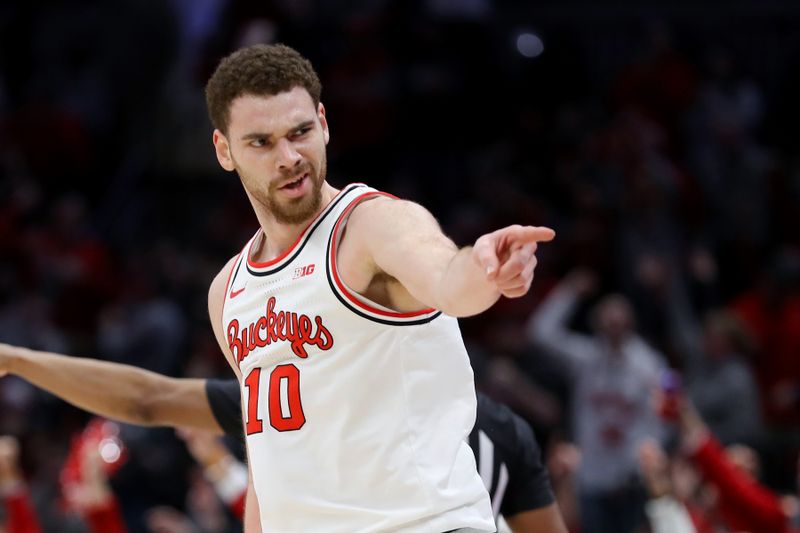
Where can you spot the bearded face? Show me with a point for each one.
(276, 143)
(295, 197)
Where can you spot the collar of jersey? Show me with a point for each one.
(270, 267)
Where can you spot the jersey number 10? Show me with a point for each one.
(284, 397)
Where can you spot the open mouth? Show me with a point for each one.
(296, 183)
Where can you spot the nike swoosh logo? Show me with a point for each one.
(234, 294)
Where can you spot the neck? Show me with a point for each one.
(278, 237)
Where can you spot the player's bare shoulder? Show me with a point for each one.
(354, 259)
(388, 243)
(370, 214)
(374, 223)
(387, 221)
(385, 213)
(216, 292)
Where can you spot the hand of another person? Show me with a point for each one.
(563, 461)
(9, 461)
(674, 406)
(508, 257)
(205, 447)
(654, 466)
(582, 281)
(92, 489)
(168, 520)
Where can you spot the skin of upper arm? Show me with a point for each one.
(545, 520)
(400, 239)
(216, 301)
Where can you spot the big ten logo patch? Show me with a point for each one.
(303, 271)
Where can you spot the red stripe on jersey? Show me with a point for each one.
(335, 271)
(295, 243)
(230, 274)
(228, 283)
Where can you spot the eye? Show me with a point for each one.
(259, 142)
(301, 131)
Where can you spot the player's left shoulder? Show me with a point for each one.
(383, 212)
(362, 222)
(380, 224)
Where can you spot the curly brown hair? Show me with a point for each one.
(258, 70)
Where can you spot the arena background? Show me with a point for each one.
(659, 141)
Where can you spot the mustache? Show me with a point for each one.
(297, 172)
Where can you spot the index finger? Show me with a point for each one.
(529, 234)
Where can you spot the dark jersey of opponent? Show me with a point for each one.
(509, 459)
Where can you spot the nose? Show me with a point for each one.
(288, 157)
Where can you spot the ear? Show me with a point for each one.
(326, 134)
(223, 150)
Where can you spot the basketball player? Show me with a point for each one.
(508, 457)
(338, 318)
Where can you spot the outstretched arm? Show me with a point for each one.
(402, 240)
(113, 390)
(754, 504)
(548, 326)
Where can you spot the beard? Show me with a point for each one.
(294, 210)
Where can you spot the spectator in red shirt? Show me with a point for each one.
(20, 514)
(743, 504)
(89, 493)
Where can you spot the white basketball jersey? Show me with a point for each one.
(356, 416)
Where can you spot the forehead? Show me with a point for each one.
(270, 113)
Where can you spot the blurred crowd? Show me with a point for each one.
(661, 149)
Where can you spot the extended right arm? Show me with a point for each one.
(113, 390)
(118, 391)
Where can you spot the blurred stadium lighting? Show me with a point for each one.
(110, 450)
(529, 44)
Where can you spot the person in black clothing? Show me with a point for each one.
(508, 457)
(510, 463)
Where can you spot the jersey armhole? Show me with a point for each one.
(353, 301)
(233, 273)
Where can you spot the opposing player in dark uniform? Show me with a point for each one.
(510, 463)
(508, 457)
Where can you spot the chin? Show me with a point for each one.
(299, 211)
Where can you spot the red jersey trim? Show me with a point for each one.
(234, 268)
(343, 289)
(303, 235)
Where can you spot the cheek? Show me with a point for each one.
(319, 152)
(255, 171)
(257, 163)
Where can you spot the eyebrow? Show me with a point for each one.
(261, 135)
